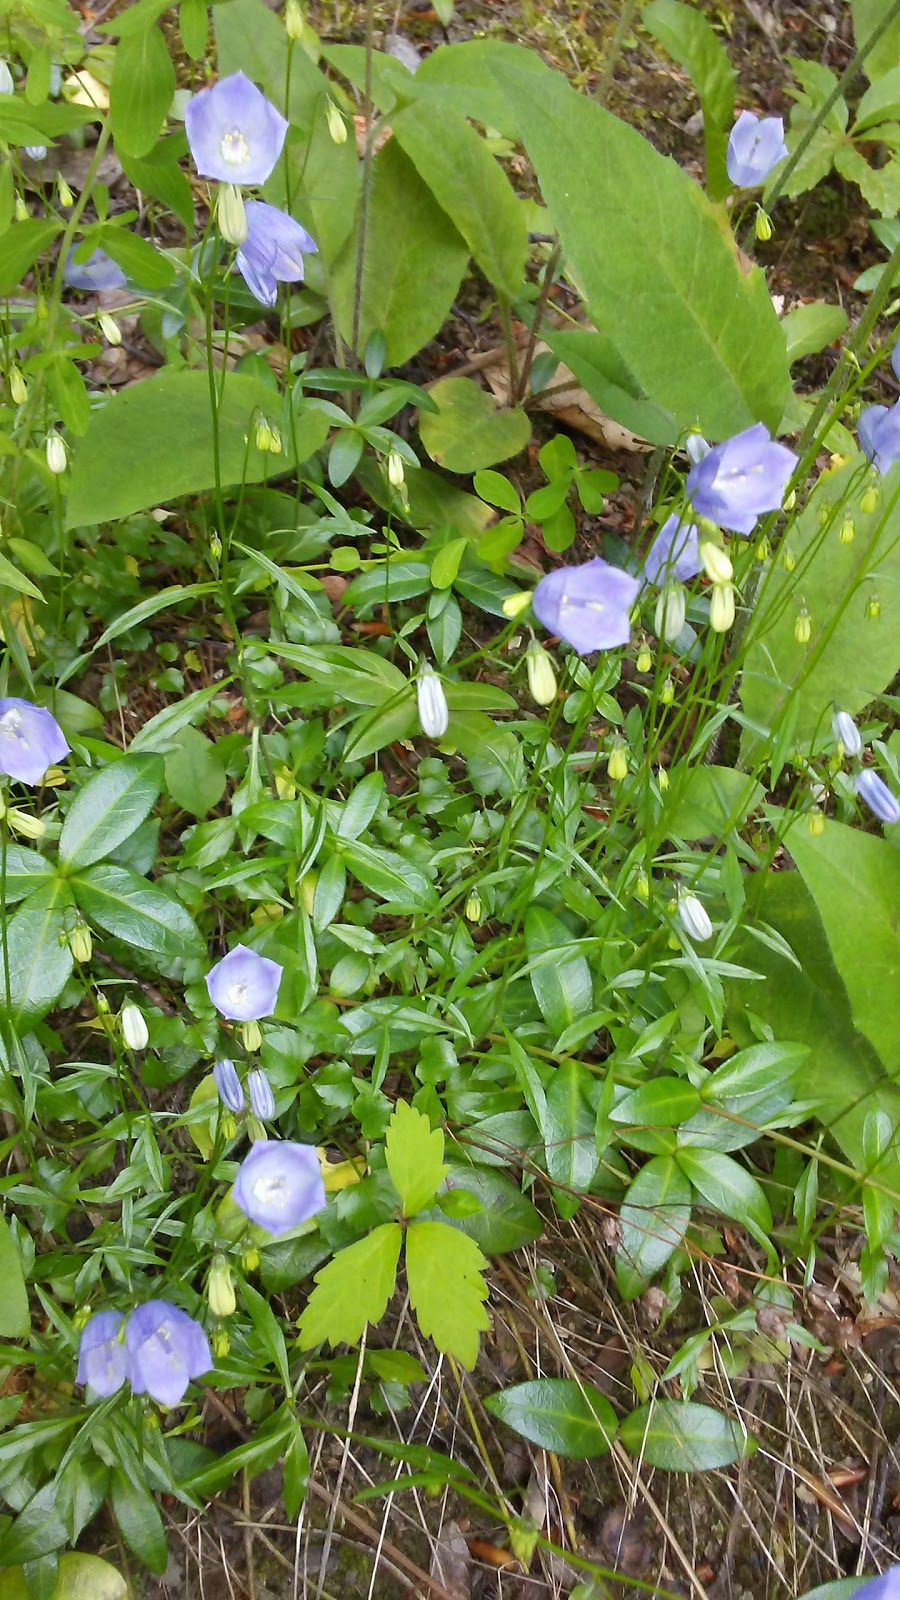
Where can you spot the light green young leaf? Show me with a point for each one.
(570, 1147)
(353, 1289)
(444, 1273)
(681, 1436)
(143, 83)
(691, 41)
(415, 1157)
(469, 431)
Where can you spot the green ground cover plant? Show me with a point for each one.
(394, 854)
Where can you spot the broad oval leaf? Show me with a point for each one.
(727, 1186)
(469, 431)
(136, 911)
(569, 1418)
(107, 810)
(26, 871)
(662, 1103)
(507, 1218)
(681, 1436)
(389, 875)
(79, 1577)
(40, 960)
(560, 977)
(654, 1217)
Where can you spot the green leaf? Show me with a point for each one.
(15, 1321)
(37, 1531)
(710, 800)
(135, 910)
(389, 875)
(507, 1219)
(353, 1289)
(854, 879)
(22, 244)
(849, 659)
(140, 261)
(444, 1275)
(727, 1186)
(700, 335)
(26, 871)
(469, 431)
(79, 1577)
(195, 772)
(361, 806)
(193, 21)
(413, 263)
(140, 94)
(560, 977)
(158, 174)
(692, 42)
(139, 1520)
(257, 1454)
(571, 1419)
(153, 442)
(470, 186)
(107, 810)
(497, 491)
(654, 1217)
(445, 565)
(680, 1436)
(570, 1149)
(811, 327)
(40, 960)
(414, 1152)
(867, 16)
(662, 1103)
(360, 676)
(12, 578)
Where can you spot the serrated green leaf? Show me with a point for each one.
(681, 1436)
(444, 1274)
(571, 1419)
(414, 1152)
(107, 810)
(353, 1289)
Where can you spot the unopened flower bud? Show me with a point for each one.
(816, 822)
(109, 328)
(294, 25)
(846, 734)
(228, 1085)
(66, 197)
(434, 713)
(268, 437)
(6, 79)
(671, 608)
(873, 607)
(473, 907)
(788, 560)
(848, 531)
(395, 470)
(337, 127)
(262, 1100)
(228, 1125)
(541, 676)
(231, 215)
(881, 800)
(642, 887)
(790, 500)
(256, 1130)
(663, 778)
(134, 1027)
(249, 1258)
(57, 457)
(26, 825)
(308, 890)
(251, 1034)
(18, 388)
(221, 1344)
(692, 915)
(803, 626)
(81, 943)
(644, 660)
(763, 550)
(36, 152)
(721, 607)
(716, 562)
(220, 1289)
(763, 225)
(82, 1317)
(868, 501)
(215, 546)
(515, 604)
(667, 692)
(22, 211)
(617, 765)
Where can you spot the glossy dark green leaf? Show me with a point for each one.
(569, 1418)
(506, 1220)
(139, 1520)
(136, 911)
(570, 1149)
(727, 1186)
(654, 1217)
(662, 1103)
(26, 870)
(40, 960)
(681, 1436)
(560, 977)
(37, 1531)
(108, 808)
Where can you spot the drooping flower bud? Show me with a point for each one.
(215, 545)
(541, 676)
(642, 887)
(873, 607)
(816, 822)
(644, 661)
(881, 801)
(693, 918)
(221, 1344)
(109, 328)
(81, 943)
(473, 907)
(26, 824)
(228, 1085)
(18, 388)
(667, 692)
(230, 214)
(134, 1027)
(671, 608)
(515, 604)
(262, 1100)
(803, 626)
(434, 713)
(763, 550)
(57, 456)
(788, 559)
(846, 734)
(790, 500)
(617, 765)
(395, 470)
(249, 1258)
(294, 25)
(251, 1035)
(220, 1289)
(716, 562)
(721, 607)
(267, 436)
(763, 225)
(848, 531)
(22, 211)
(868, 500)
(337, 127)
(66, 197)
(663, 779)
(36, 152)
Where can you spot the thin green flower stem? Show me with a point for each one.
(366, 192)
(616, 46)
(550, 270)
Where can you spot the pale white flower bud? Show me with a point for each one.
(230, 214)
(6, 78)
(716, 562)
(18, 388)
(57, 457)
(109, 328)
(721, 607)
(337, 127)
(541, 676)
(37, 152)
(395, 471)
(434, 713)
(670, 612)
(693, 918)
(134, 1027)
(846, 733)
(294, 26)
